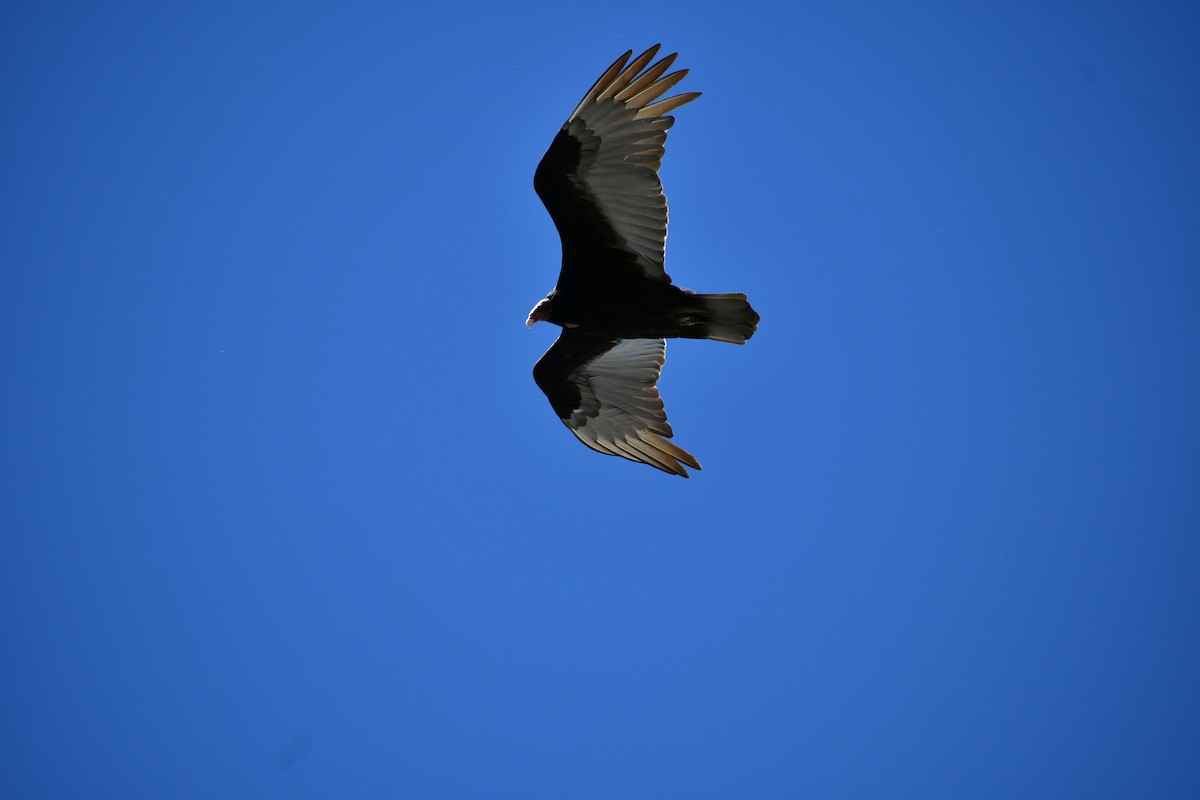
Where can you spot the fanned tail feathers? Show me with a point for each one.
(731, 319)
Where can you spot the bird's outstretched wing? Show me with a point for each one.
(605, 391)
(599, 179)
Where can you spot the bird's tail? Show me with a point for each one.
(728, 318)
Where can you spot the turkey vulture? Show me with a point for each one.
(614, 300)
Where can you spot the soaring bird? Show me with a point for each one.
(614, 300)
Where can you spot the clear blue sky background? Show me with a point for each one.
(284, 514)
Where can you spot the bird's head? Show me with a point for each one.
(540, 312)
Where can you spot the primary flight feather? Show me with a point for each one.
(614, 300)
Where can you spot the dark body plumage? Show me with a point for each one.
(614, 299)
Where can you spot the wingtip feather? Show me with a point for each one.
(629, 73)
(602, 82)
(646, 78)
(663, 106)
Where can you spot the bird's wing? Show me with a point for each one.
(599, 179)
(605, 391)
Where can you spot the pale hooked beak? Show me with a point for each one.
(540, 312)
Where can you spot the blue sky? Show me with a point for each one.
(284, 514)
